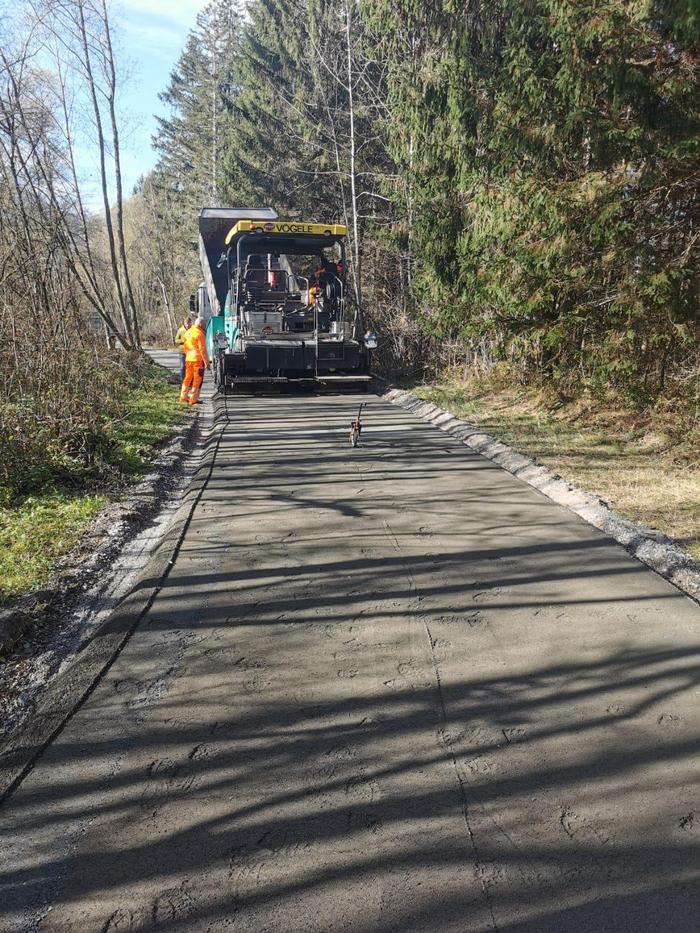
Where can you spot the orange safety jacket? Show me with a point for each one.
(195, 346)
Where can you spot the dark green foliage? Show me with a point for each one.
(270, 156)
(553, 158)
(293, 139)
(677, 19)
(192, 141)
(520, 176)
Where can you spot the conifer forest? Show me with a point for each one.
(520, 177)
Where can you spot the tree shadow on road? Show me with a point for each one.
(286, 801)
(476, 716)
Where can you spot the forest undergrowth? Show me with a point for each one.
(50, 499)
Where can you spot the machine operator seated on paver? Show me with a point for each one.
(265, 285)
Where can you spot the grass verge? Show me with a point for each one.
(152, 410)
(646, 465)
(38, 529)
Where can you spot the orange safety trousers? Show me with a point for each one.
(192, 383)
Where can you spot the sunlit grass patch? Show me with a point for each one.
(38, 529)
(151, 411)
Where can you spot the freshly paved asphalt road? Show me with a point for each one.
(383, 689)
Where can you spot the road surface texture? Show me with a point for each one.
(382, 689)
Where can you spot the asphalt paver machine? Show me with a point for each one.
(276, 300)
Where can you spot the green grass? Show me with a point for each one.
(36, 532)
(152, 411)
(646, 465)
(38, 529)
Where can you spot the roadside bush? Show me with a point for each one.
(60, 412)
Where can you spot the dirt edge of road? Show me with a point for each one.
(112, 529)
(654, 549)
(68, 690)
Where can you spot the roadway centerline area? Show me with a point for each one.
(389, 688)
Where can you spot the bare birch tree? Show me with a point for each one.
(57, 383)
(76, 37)
(40, 166)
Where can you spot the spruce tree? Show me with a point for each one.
(520, 174)
(551, 150)
(191, 142)
(304, 137)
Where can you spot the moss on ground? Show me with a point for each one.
(646, 465)
(38, 529)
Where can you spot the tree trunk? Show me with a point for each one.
(92, 88)
(357, 261)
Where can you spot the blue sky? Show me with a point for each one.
(150, 36)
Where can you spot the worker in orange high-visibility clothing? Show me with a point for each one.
(196, 361)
